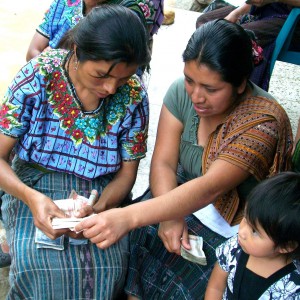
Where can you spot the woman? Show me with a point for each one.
(77, 120)
(265, 19)
(65, 14)
(227, 135)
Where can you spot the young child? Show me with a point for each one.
(260, 262)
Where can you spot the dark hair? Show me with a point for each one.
(110, 32)
(274, 204)
(223, 47)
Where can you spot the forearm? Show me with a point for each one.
(37, 45)
(118, 189)
(175, 204)
(162, 179)
(114, 194)
(239, 11)
(190, 196)
(243, 9)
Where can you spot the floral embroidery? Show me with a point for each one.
(73, 121)
(73, 2)
(73, 11)
(139, 146)
(147, 8)
(8, 116)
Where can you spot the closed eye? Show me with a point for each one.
(188, 80)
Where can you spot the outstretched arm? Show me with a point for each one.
(108, 227)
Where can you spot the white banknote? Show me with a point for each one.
(196, 253)
(69, 207)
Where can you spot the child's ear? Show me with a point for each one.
(291, 246)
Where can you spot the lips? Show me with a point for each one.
(200, 108)
(100, 95)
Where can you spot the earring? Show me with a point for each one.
(75, 64)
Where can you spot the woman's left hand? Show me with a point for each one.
(106, 228)
(173, 234)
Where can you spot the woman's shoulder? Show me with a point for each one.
(229, 246)
(228, 252)
(260, 103)
(177, 100)
(177, 87)
(49, 61)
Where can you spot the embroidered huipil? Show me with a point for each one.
(42, 111)
(65, 14)
(59, 18)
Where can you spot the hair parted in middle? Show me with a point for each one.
(110, 32)
(224, 47)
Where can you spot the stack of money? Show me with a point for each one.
(196, 253)
(70, 223)
(70, 207)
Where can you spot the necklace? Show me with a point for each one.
(73, 90)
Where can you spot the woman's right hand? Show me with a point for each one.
(43, 210)
(106, 228)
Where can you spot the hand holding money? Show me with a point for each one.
(70, 207)
(196, 253)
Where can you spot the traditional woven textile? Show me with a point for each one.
(77, 272)
(253, 122)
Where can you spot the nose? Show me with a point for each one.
(243, 229)
(111, 85)
(197, 95)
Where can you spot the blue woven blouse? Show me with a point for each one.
(42, 111)
(65, 14)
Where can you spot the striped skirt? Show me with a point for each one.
(76, 272)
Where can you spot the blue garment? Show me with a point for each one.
(65, 14)
(42, 110)
(77, 272)
(59, 18)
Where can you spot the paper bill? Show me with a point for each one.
(70, 207)
(196, 253)
(43, 241)
(67, 223)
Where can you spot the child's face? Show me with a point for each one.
(255, 243)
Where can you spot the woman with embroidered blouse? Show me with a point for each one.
(218, 136)
(63, 15)
(77, 120)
